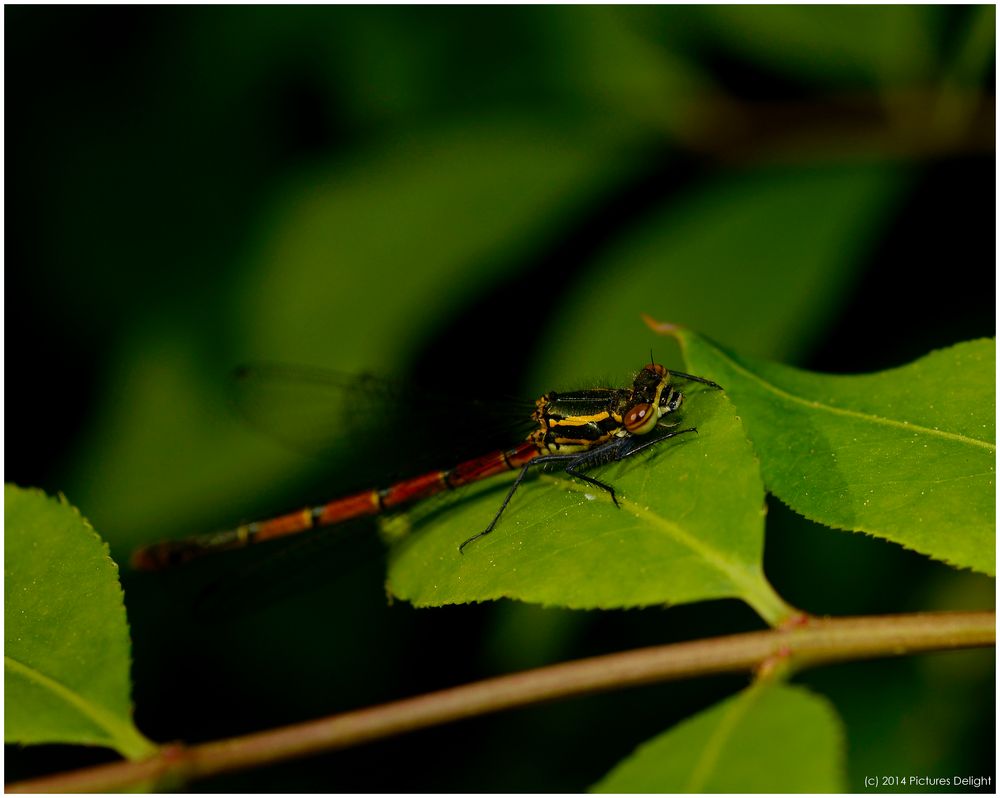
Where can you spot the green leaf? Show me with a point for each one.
(863, 45)
(66, 643)
(906, 454)
(976, 47)
(442, 214)
(606, 56)
(690, 528)
(768, 738)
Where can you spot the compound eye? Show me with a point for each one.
(656, 368)
(640, 419)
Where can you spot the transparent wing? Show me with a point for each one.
(309, 410)
(327, 414)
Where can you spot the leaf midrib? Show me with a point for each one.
(747, 578)
(857, 414)
(121, 735)
(737, 572)
(704, 764)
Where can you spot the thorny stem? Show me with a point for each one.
(802, 642)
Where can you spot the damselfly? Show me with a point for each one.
(576, 430)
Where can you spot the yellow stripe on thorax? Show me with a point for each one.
(579, 421)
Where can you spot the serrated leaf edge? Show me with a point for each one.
(748, 580)
(131, 743)
(681, 336)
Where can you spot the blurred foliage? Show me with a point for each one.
(465, 198)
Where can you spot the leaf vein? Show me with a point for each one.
(117, 731)
(857, 414)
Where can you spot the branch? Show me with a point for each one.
(803, 643)
(916, 124)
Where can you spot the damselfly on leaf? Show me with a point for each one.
(575, 431)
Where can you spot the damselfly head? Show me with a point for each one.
(648, 380)
(651, 397)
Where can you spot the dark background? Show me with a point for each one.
(457, 197)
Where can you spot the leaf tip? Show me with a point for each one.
(661, 327)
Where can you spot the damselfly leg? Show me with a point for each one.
(613, 451)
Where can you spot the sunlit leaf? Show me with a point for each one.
(770, 738)
(906, 454)
(690, 528)
(66, 643)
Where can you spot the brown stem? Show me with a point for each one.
(903, 125)
(800, 643)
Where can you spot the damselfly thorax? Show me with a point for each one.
(576, 430)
